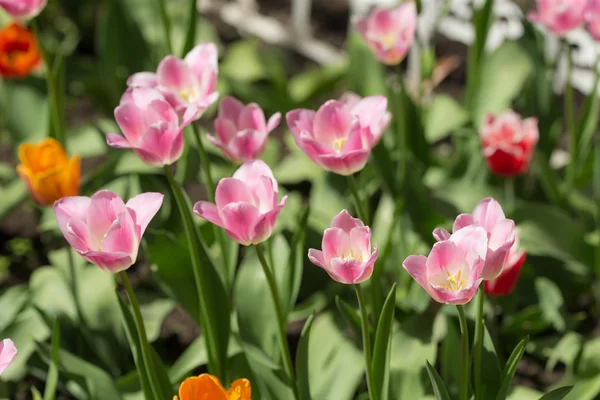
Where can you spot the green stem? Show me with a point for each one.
(570, 121)
(281, 320)
(219, 234)
(162, 8)
(53, 102)
(360, 209)
(401, 126)
(596, 188)
(477, 346)
(215, 365)
(73, 285)
(366, 342)
(509, 194)
(141, 331)
(192, 28)
(464, 331)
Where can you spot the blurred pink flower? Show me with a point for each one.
(509, 142)
(23, 9)
(104, 230)
(8, 352)
(150, 126)
(246, 204)
(451, 273)
(340, 135)
(505, 283)
(500, 234)
(347, 255)
(390, 33)
(593, 19)
(241, 130)
(559, 16)
(191, 82)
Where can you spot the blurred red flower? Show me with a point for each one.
(19, 52)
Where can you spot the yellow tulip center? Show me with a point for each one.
(351, 256)
(187, 94)
(455, 281)
(339, 143)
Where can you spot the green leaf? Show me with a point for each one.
(510, 368)
(349, 313)
(190, 35)
(444, 116)
(502, 77)
(439, 388)
(52, 378)
(491, 374)
(557, 394)
(302, 362)
(25, 96)
(313, 82)
(12, 301)
(246, 53)
(291, 287)
(551, 302)
(383, 345)
(13, 194)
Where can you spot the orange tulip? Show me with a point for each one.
(19, 52)
(48, 171)
(208, 387)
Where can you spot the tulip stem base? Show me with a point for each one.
(141, 331)
(281, 320)
(478, 343)
(464, 332)
(360, 209)
(364, 319)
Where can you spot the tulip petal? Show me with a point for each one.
(344, 164)
(471, 238)
(174, 74)
(463, 220)
(8, 352)
(336, 243)
(488, 213)
(232, 190)
(240, 389)
(145, 206)
(240, 218)
(332, 121)
(70, 207)
(273, 122)
(248, 144)
(110, 262)
(444, 260)
(230, 109)
(102, 212)
(122, 237)
(225, 129)
(348, 269)
(202, 387)
(132, 121)
(142, 79)
(266, 222)
(265, 196)
(202, 59)
(346, 222)
(252, 117)
(360, 242)
(440, 234)
(316, 257)
(117, 141)
(80, 236)
(209, 212)
(299, 121)
(502, 233)
(416, 266)
(251, 173)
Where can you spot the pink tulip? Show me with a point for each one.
(508, 143)
(452, 272)
(8, 352)
(340, 135)
(104, 230)
(191, 82)
(241, 130)
(246, 204)
(23, 9)
(390, 33)
(507, 280)
(559, 16)
(150, 126)
(347, 255)
(593, 19)
(500, 234)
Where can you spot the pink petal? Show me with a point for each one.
(122, 237)
(360, 241)
(463, 220)
(368, 267)
(265, 196)
(80, 237)
(252, 117)
(174, 74)
(145, 206)
(273, 122)
(232, 190)
(336, 243)
(344, 164)
(132, 121)
(117, 141)
(346, 222)
(495, 262)
(332, 121)
(141, 96)
(316, 257)
(102, 212)
(156, 144)
(299, 121)
(161, 111)
(209, 212)
(416, 266)
(70, 207)
(111, 262)
(488, 213)
(370, 110)
(142, 79)
(225, 129)
(440, 234)
(349, 270)
(8, 352)
(248, 144)
(471, 238)
(224, 149)
(230, 109)
(150, 158)
(241, 218)
(444, 258)
(265, 224)
(202, 58)
(251, 172)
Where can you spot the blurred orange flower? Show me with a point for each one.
(208, 387)
(19, 52)
(48, 171)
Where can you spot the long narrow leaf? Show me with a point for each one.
(52, 379)
(557, 394)
(510, 369)
(349, 313)
(439, 388)
(302, 364)
(382, 347)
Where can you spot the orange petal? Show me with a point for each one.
(49, 185)
(31, 182)
(203, 387)
(71, 178)
(240, 390)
